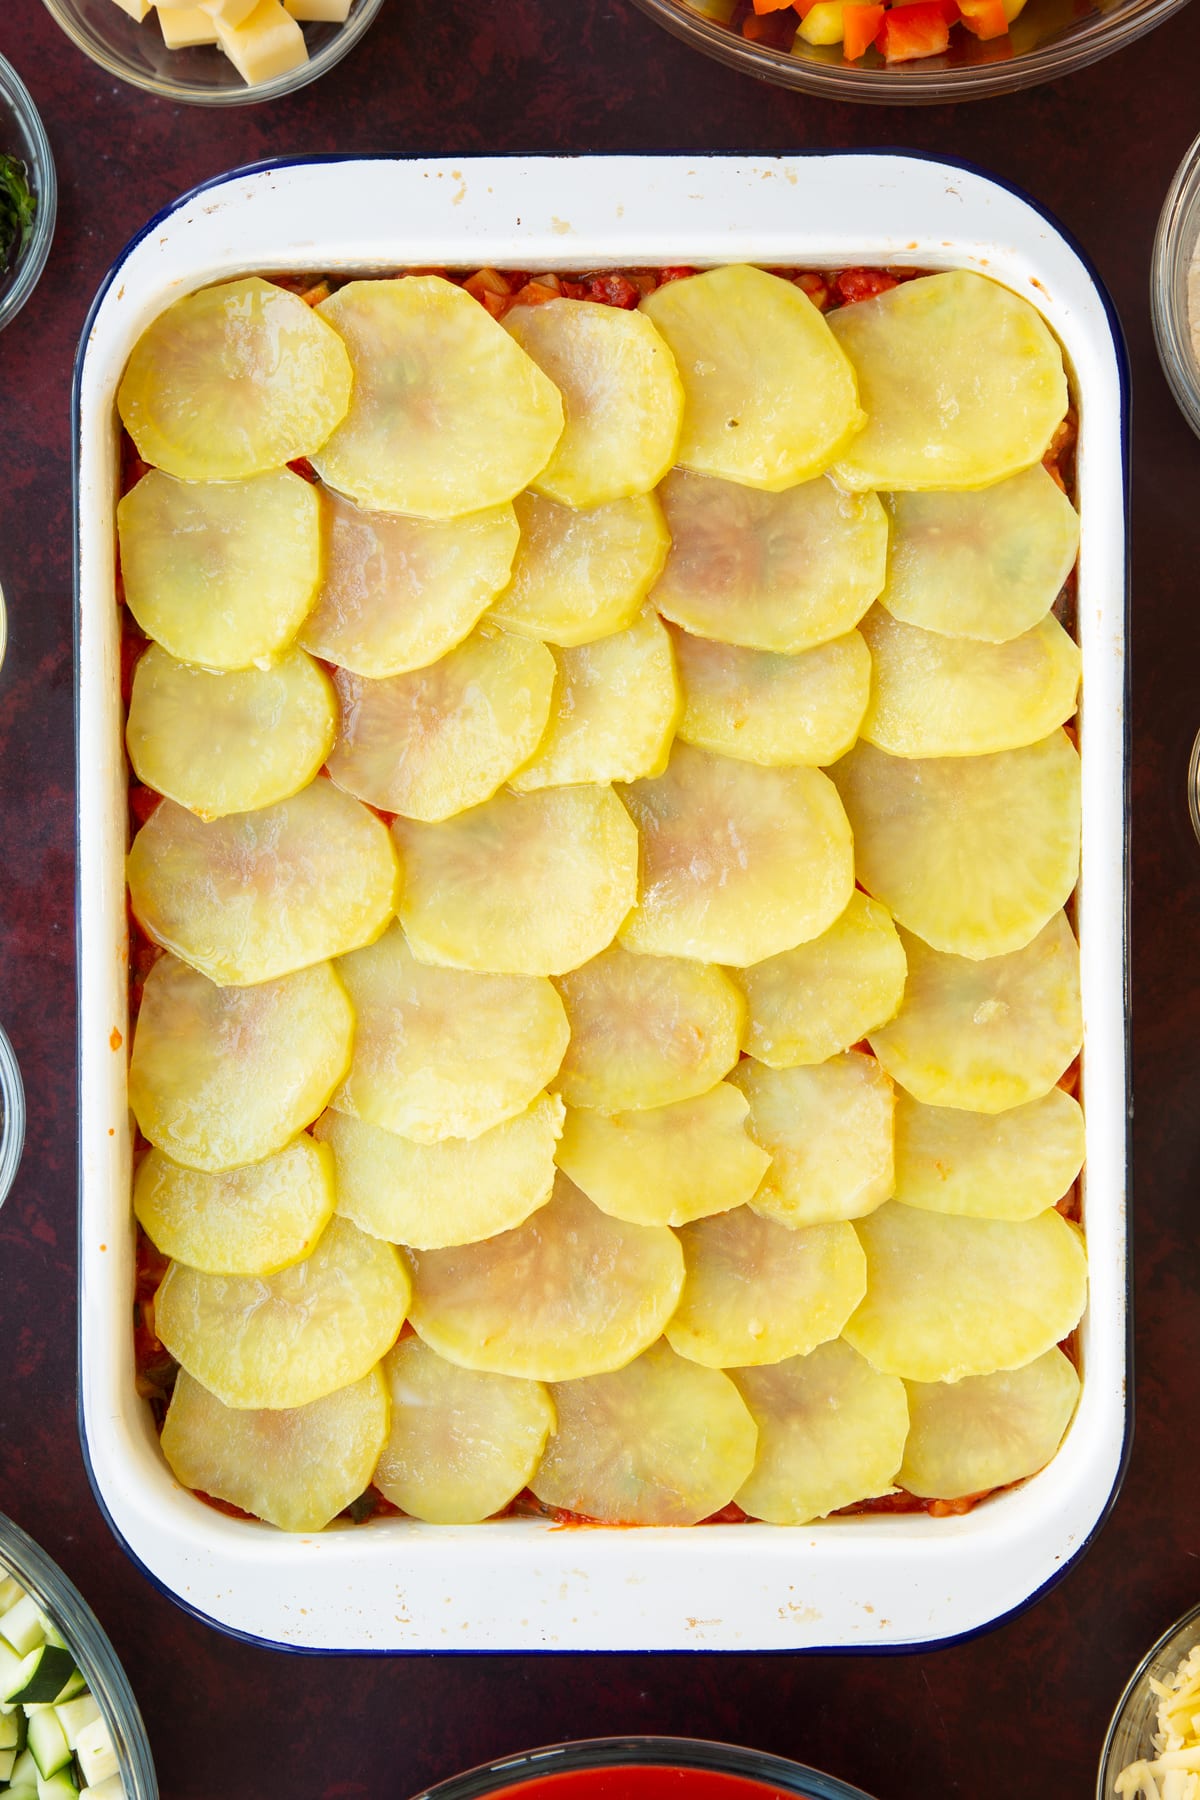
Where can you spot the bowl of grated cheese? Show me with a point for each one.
(1152, 1751)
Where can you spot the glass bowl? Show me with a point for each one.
(12, 1117)
(1134, 1722)
(23, 134)
(202, 75)
(1174, 300)
(604, 1769)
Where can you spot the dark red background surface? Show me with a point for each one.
(1023, 1709)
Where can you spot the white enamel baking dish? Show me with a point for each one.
(864, 1583)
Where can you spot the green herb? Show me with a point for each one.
(17, 208)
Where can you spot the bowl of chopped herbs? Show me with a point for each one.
(27, 194)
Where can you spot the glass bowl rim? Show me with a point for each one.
(1168, 285)
(30, 264)
(1188, 1621)
(12, 1134)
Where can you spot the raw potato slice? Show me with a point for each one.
(614, 711)
(765, 708)
(950, 1297)
(831, 1432)
(456, 1191)
(973, 853)
(984, 1036)
(621, 392)
(737, 862)
(260, 894)
(756, 1291)
(527, 884)
(962, 382)
(582, 575)
(283, 1340)
(986, 564)
(448, 414)
(433, 742)
(944, 696)
(828, 1131)
(247, 1221)
(661, 1442)
(769, 396)
(232, 381)
(232, 742)
(646, 1030)
(808, 1003)
(225, 1076)
(775, 572)
(441, 1053)
(571, 1292)
(397, 593)
(968, 1436)
(220, 572)
(1009, 1165)
(297, 1467)
(667, 1164)
(462, 1443)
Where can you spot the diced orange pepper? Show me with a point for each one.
(861, 27)
(908, 32)
(766, 6)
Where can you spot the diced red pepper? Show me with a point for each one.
(863, 284)
(908, 32)
(860, 28)
(984, 18)
(614, 290)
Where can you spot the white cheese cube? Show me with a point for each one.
(95, 1753)
(233, 12)
(186, 25)
(137, 9)
(332, 12)
(268, 44)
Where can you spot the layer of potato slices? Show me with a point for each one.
(827, 1128)
(831, 1432)
(462, 1442)
(1009, 1165)
(770, 398)
(581, 575)
(431, 743)
(948, 1297)
(234, 380)
(757, 1291)
(962, 383)
(526, 884)
(989, 1430)
(985, 1036)
(260, 894)
(621, 393)
(220, 572)
(285, 1339)
(763, 707)
(660, 1442)
(571, 1292)
(665, 1165)
(225, 1076)
(448, 414)
(973, 853)
(297, 1467)
(247, 1221)
(444, 1053)
(738, 862)
(775, 572)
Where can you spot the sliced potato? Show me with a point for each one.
(1009, 1165)
(828, 1131)
(968, 1436)
(247, 1221)
(765, 708)
(581, 575)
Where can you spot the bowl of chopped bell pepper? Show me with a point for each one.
(28, 194)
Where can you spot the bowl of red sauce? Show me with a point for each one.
(643, 1768)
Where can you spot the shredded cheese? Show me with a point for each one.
(1173, 1773)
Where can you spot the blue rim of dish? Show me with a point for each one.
(12, 1116)
(32, 261)
(275, 164)
(603, 1754)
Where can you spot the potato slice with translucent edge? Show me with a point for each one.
(433, 742)
(778, 572)
(737, 862)
(570, 1292)
(973, 853)
(828, 1131)
(984, 1036)
(948, 1297)
(614, 711)
(661, 1442)
(1009, 1165)
(234, 380)
(448, 414)
(462, 1443)
(455, 1191)
(285, 1339)
(987, 564)
(770, 398)
(260, 894)
(443, 1053)
(621, 392)
(247, 1221)
(220, 572)
(225, 1076)
(578, 576)
(945, 696)
(968, 1436)
(296, 1467)
(766, 708)
(526, 884)
(666, 1164)
(646, 1030)
(962, 383)
(831, 1432)
(232, 742)
(808, 1003)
